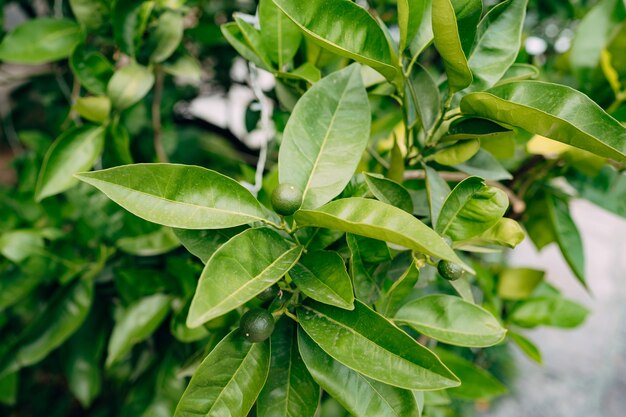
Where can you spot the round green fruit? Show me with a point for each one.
(269, 293)
(286, 199)
(257, 325)
(449, 270)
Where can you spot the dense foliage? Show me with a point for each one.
(338, 246)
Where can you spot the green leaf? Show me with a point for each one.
(361, 396)
(94, 109)
(554, 111)
(240, 269)
(290, 390)
(424, 32)
(424, 99)
(160, 241)
(389, 192)
(452, 320)
(470, 209)
(399, 286)
(129, 19)
(82, 356)
(371, 345)
(280, 36)
(519, 72)
(325, 137)
(363, 252)
(593, 34)
(166, 36)
(498, 42)
(437, 190)
(322, 276)
(453, 35)
(8, 389)
(183, 196)
(476, 383)
(18, 283)
(39, 41)
(92, 69)
(484, 165)
(471, 128)
(377, 220)
(75, 150)
(548, 311)
(136, 323)
(567, 236)
(63, 315)
(228, 380)
(527, 346)
(506, 232)
(129, 85)
(20, 244)
(518, 283)
(327, 23)
(234, 35)
(458, 152)
(203, 243)
(411, 17)
(91, 14)
(253, 39)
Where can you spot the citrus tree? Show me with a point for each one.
(355, 266)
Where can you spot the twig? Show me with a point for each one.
(156, 115)
(377, 157)
(517, 204)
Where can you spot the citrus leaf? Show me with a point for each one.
(75, 150)
(360, 395)
(548, 311)
(322, 276)
(290, 390)
(280, 36)
(381, 221)
(129, 85)
(389, 192)
(92, 69)
(554, 111)
(452, 320)
(135, 324)
(183, 196)
(471, 208)
(40, 40)
(326, 23)
(228, 380)
(240, 269)
(325, 137)
(371, 345)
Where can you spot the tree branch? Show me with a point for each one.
(156, 115)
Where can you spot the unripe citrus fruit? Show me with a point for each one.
(257, 325)
(449, 270)
(286, 199)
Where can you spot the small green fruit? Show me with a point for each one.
(449, 270)
(269, 293)
(286, 199)
(257, 325)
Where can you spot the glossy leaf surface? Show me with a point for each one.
(228, 380)
(325, 137)
(389, 192)
(280, 36)
(129, 85)
(74, 151)
(554, 111)
(290, 390)
(360, 395)
(370, 344)
(378, 220)
(470, 209)
(452, 320)
(322, 276)
(187, 197)
(240, 269)
(327, 23)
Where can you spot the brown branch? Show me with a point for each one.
(517, 204)
(156, 116)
